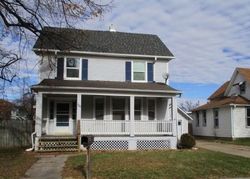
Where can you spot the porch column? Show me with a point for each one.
(174, 116)
(79, 107)
(39, 113)
(78, 119)
(132, 116)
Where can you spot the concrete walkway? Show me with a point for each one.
(47, 167)
(238, 150)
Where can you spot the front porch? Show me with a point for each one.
(120, 119)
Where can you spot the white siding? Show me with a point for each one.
(239, 120)
(224, 129)
(104, 68)
(160, 67)
(183, 128)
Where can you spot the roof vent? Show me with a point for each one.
(112, 28)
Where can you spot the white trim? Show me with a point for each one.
(107, 94)
(105, 54)
(185, 114)
(107, 89)
(104, 106)
(65, 68)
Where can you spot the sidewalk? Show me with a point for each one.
(47, 167)
(239, 150)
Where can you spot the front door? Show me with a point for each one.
(63, 118)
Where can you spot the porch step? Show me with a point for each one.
(58, 144)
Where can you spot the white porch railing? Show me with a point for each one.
(98, 127)
(153, 127)
(104, 127)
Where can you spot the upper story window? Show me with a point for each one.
(248, 116)
(72, 68)
(139, 71)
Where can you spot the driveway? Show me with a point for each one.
(48, 166)
(238, 150)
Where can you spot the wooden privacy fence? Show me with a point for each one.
(15, 133)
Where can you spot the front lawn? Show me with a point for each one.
(160, 164)
(15, 162)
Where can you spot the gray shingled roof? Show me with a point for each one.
(154, 87)
(101, 41)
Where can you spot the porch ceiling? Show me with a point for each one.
(54, 84)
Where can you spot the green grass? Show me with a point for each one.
(14, 163)
(160, 164)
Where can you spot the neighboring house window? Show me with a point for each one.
(138, 108)
(139, 71)
(242, 87)
(51, 109)
(204, 113)
(216, 118)
(118, 107)
(197, 119)
(99, 108)
(248, 116)
(151, 109)
(72, 68)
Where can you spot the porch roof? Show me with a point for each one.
(104, 85)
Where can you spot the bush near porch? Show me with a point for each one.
(14, 162)
(159, 164)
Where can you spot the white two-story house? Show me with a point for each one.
(105, 83)
(227, 113)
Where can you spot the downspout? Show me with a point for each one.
(33, 136)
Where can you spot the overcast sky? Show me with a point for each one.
(208, 38)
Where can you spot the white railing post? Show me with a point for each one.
(132, 116)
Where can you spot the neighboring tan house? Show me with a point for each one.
(227, 113)
(105, 83)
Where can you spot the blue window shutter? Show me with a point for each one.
(60, 68)
(128, 71)
(84, 69)
(150, 72)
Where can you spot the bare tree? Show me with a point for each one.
(189, 105)
(23, 20)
